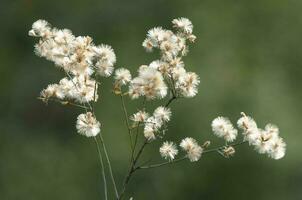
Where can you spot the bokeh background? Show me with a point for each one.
(247, 53)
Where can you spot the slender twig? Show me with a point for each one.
(173, 90)
(94, 96)
(102, 166)
(183, 158)
(140, 152)
(103, 143)
(136, 137)
(62, 102)
(109, 165)
(132, 169)
(162, 164)
(170, 100)
(127, 121)
(219, 148)
(137, 128)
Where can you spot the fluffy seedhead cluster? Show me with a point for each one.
(152, 124)
(163, 77)
(192, 148)
(223, 128)
(168, 72)
(84, 62)
(76, 55)
(265, 141)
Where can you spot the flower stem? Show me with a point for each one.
(137, 129)
(162, 164)
(134, 161)
(184, 157)
(170, 100)
(132, 169)
(136, 138)
(127, 123)
(62, 102)
(219, 148)
(109, 166)
(102, 166)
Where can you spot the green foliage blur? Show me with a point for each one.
(247, 53)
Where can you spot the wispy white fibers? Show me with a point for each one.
(222, 127)
(168, 150)
(87, 125)
(191, 147)
(265, 140)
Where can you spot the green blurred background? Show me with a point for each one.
(248, 55)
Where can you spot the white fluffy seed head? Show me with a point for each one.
(156, 35)
(87, 125)
(152, 126)
(250, 130)
(191, 147)
(148, 45)
(149, 83)
(122, 76)
(187, 83)
(223, 128)
(149, 133)
(162, 114)
(272, 129)
(270, 142)
(168, 150)
(52, 90)
(104, 54)
(278, 149)
(154, 123)
(140, 116)
(40, 28)
(103, 69)
(246, 123)
(265, 141)
(183, 24)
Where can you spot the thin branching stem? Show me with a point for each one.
(104, 146)
(63, 102)
(162, 164)
(136, 138)
(127, 122)
(221, 147)
(132, 169)
(109, 165)
(184, 157)
(102, 168)
(170, 101)
(94, 96)
(137, 129)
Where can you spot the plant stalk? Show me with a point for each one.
(102, 166)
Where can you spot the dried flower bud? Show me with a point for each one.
(206, 144)
(228, 151)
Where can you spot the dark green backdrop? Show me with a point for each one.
(248, 55)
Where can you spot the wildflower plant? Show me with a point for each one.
(85, 64)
